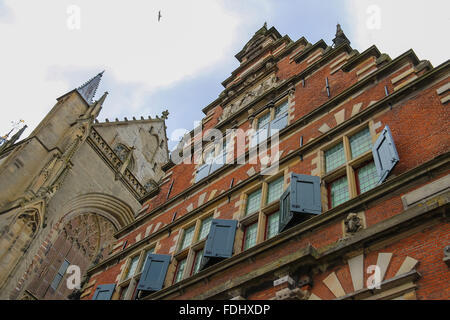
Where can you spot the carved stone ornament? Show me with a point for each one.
(248, 97)
(353, 223)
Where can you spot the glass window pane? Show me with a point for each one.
(250, 236)
(360, 142)
(197, 261)
(281, 109)
(56, 280)
(60, 275)
(272, 225)
(367, 177)
(204, 229)
(339, 191)
(133, 266)
(263, 120)
(180, 270)
(275, 190)
(187, 238)
(253, 202)
(123, 292)
(334, 157)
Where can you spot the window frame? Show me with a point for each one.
(133, 280)
(349, 167)
(59, 274)
(265, 209)
(267, 223)
(189, 252)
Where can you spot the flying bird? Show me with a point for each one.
(159, 15)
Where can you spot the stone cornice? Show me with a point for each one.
(396, 96)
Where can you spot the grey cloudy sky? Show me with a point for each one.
(51, 46)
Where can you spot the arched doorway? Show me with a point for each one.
(84, 239)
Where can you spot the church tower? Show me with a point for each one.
(68, 187)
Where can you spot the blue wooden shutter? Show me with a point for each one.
(202, 171)
(218, 162)
(285, 210)
(154, 272)
(278, 123)
(305, 194)
(219, 243)
(385, 154)
(104, 292)
(301, 199)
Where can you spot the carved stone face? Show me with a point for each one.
(352, 223)
(447, 251)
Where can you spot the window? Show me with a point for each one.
(130, 279)
(204, 229)
(253, 202)
(259, 217)
(132, 268)
(349, 169)
(281, 110)
(269, 122)
(180, 270)
(123, 292)
(187, 237)
(191, 249)
(197, 261)
(60, 275)
(263, 120)
(338, 191)
(214, 159)
(250, 236)
(334, 157)
(275, 189)
(367, 177)
(360, 142)
(272, 225)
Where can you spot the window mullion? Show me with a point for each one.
(260, 228)
(353, 192)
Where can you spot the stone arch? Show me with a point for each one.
(105, 208)
(82, 240)
(118, 212)
(16, 239)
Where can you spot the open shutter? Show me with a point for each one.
(202, 172)
(305, 194)
(300, 200)
(154, 272)
(218, 162)
(385, 154)
(285, 210)
(219, 243)
(104, 292)
(278, 123)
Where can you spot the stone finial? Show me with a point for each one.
(165, 115)
(340, 37)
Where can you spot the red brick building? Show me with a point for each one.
(351, 202)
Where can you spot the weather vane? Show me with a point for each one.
(15, 126)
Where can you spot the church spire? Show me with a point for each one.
(87, 90)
